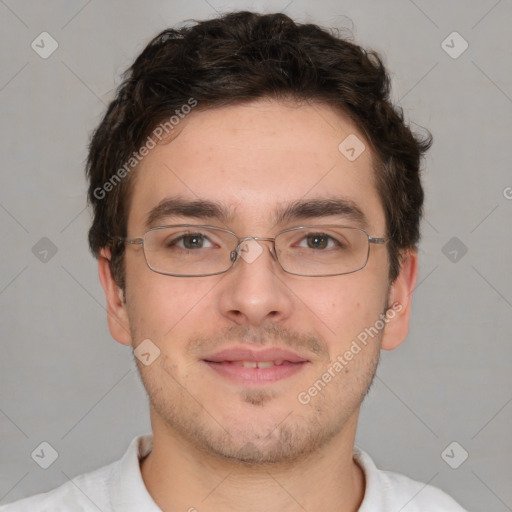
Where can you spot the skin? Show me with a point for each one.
(225, 446)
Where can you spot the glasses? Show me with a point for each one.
(186, 250)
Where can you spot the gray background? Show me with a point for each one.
(65, 381)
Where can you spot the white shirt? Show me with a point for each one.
(119, 487)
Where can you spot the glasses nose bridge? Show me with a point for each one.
(241, 241)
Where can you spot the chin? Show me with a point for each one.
(267, 441)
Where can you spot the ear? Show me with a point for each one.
(117, 316)
(400, 298)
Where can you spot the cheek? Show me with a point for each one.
(157, 304)
(345, 305)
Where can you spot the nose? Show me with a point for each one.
(254, 290)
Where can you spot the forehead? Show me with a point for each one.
(256, 158)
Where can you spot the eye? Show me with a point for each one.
(191, 241)
(319, 241)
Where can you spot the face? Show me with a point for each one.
(254, 161)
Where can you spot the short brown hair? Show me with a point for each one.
(244, 56)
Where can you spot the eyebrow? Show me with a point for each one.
(197, 209)
(305, 209)
(297, 210)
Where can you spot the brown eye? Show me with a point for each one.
(190, 241)
(318, 241)
(193, 241)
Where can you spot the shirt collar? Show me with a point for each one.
(127, 490)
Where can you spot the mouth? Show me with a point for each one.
(246, 366)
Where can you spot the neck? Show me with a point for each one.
(182, 476)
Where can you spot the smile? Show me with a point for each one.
(250, 367)
(257, 364)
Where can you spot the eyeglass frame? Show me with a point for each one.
(236, 251)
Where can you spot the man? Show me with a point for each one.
(256, 207)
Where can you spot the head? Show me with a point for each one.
(240, 121)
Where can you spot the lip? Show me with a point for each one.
(222, 363)
(247, 354)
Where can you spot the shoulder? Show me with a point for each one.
(386, 490)
(416, 496)
(83, 493)
(117, 486)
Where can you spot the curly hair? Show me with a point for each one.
(240, 57)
